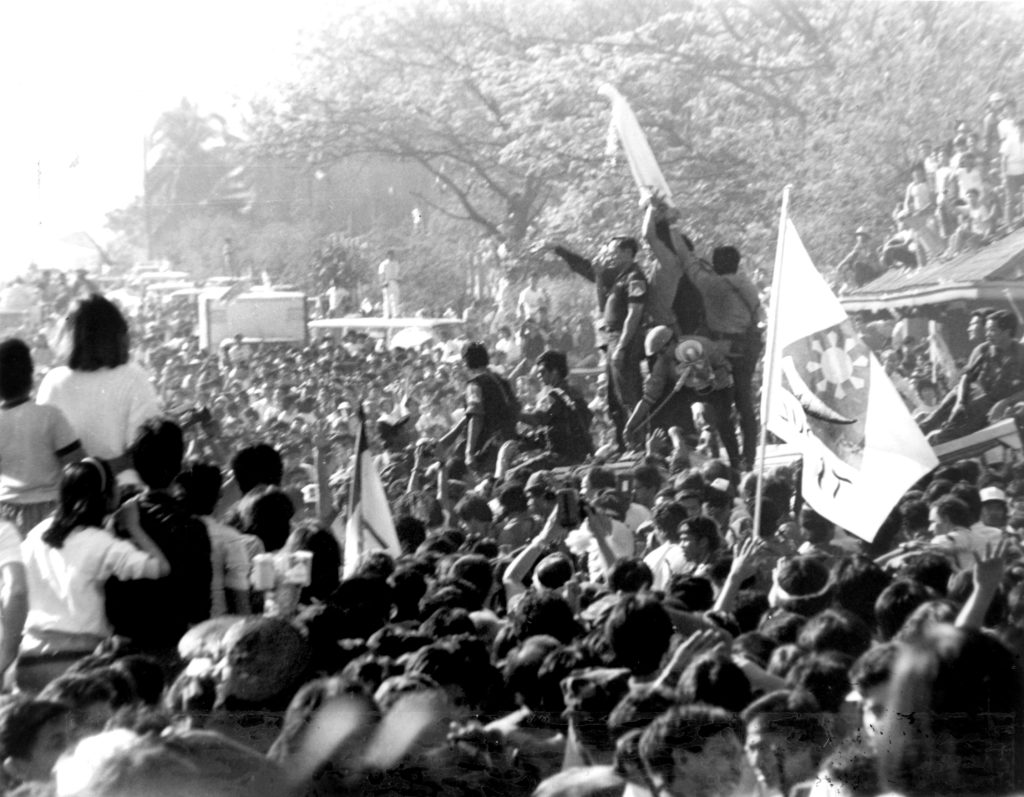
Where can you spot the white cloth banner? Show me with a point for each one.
(832, 399)
(642, 163)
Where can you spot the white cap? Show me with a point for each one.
(992, 494)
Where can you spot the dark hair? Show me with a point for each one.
(683, 728)
(630, 575)
(21, 719)
(806, 579)
(512, 499)
(86, 489)
(834, 629)
(257, 464)
(857, 581)
(198, 487)
(818, 529)
(474, 355)
(554, 570)
(15, 369)
(326, 566)
(626, 242)
(411, 532)
(667, 518)
(544, 613)
(476, 570)
(694, 592)
(78, 690)
(648, 476)
(1005, 320)
(156, 452)
(896, 603)
(554, 361)
(267, 513)
(714, 678)
(522, 671)
(473, 507)
(98, 335)
(725, 259)
(792, 712)
(929, 568)
(638, 631)
(703, 528)
(874, 667)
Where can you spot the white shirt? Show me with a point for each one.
(230, 559)
(10, 544)
(65, 585)
(665, 561)
(620, 541)
(105, 408)
(388, 270)
(531, 300)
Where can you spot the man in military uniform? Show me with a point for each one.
(562, 417)
(622, 299)
(492, 410)
(685, 372)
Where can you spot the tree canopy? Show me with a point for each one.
(497, 101)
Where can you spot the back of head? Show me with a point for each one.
(15, 369)
(474, 355)
(157, 451)
(638, 631)
(857, 581)
(97, 333)
(668, 516)
(198, 487)
(266, 513)
(716, 680)
(555, 361)
(725, 259)
(630, 575)
(86, 490)
(255, 465)
(802, 585)
(896, 603)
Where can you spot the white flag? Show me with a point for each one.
(831, 398)
(642, 162)
(369, 525)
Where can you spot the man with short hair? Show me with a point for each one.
(492, 409)
(562, 417)
(622, 296)
(667, 559)
(992, 381)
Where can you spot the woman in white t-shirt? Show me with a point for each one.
(68, 559)
(105, 397)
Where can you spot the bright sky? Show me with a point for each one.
(83, 83)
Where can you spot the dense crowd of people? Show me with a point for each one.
(588, 593)
(963, 193)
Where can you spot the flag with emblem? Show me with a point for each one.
(369, 525)
(829, 396)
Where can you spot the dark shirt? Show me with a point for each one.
(491, 398)
(629, 288)
(998, 374)
(156, 612)
(564, 420)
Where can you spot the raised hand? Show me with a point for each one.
(988, 568)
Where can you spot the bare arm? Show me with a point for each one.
(987, 575)
(15, 610)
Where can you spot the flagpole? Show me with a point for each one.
(767, 373)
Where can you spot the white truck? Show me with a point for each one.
(257, 314)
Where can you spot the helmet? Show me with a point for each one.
(861, 231)
(689, 350)
(996, 98)
(656, 340)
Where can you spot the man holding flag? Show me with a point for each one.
(825, 393)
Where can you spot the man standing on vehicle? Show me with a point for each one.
(622, 298)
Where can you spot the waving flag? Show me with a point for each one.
(369, 525)
(828, 396)
(642, 163)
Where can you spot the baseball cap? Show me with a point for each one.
(992, 494)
